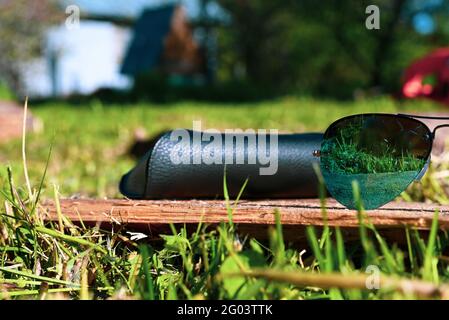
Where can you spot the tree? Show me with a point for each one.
(22, 27)
(256, 37)
(324, 47)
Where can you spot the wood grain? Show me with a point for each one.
(252, 217)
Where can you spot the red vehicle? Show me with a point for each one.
(428, 77)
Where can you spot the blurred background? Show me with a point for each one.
(105, 77)
(238, 49)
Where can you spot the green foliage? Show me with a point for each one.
(5, 93)
(324, 47)
(157, 87)
(239, 287)
(434, 186)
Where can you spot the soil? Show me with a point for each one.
(11, 121)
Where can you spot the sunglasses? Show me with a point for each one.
(383, 153)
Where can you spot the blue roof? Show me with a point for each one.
(147, 44)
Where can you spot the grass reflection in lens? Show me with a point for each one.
(383, 153)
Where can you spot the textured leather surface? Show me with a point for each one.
(157, 177)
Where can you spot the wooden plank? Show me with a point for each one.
(254, 213)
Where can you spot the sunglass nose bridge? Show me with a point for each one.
(423, 170)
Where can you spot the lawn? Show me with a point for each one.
(89, 155)
(90, 142)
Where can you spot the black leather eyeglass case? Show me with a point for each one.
(192, 175)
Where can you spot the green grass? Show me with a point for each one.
(348, 158)
(88, 157)
(356, 146)
(5, 94)
(90, 141)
